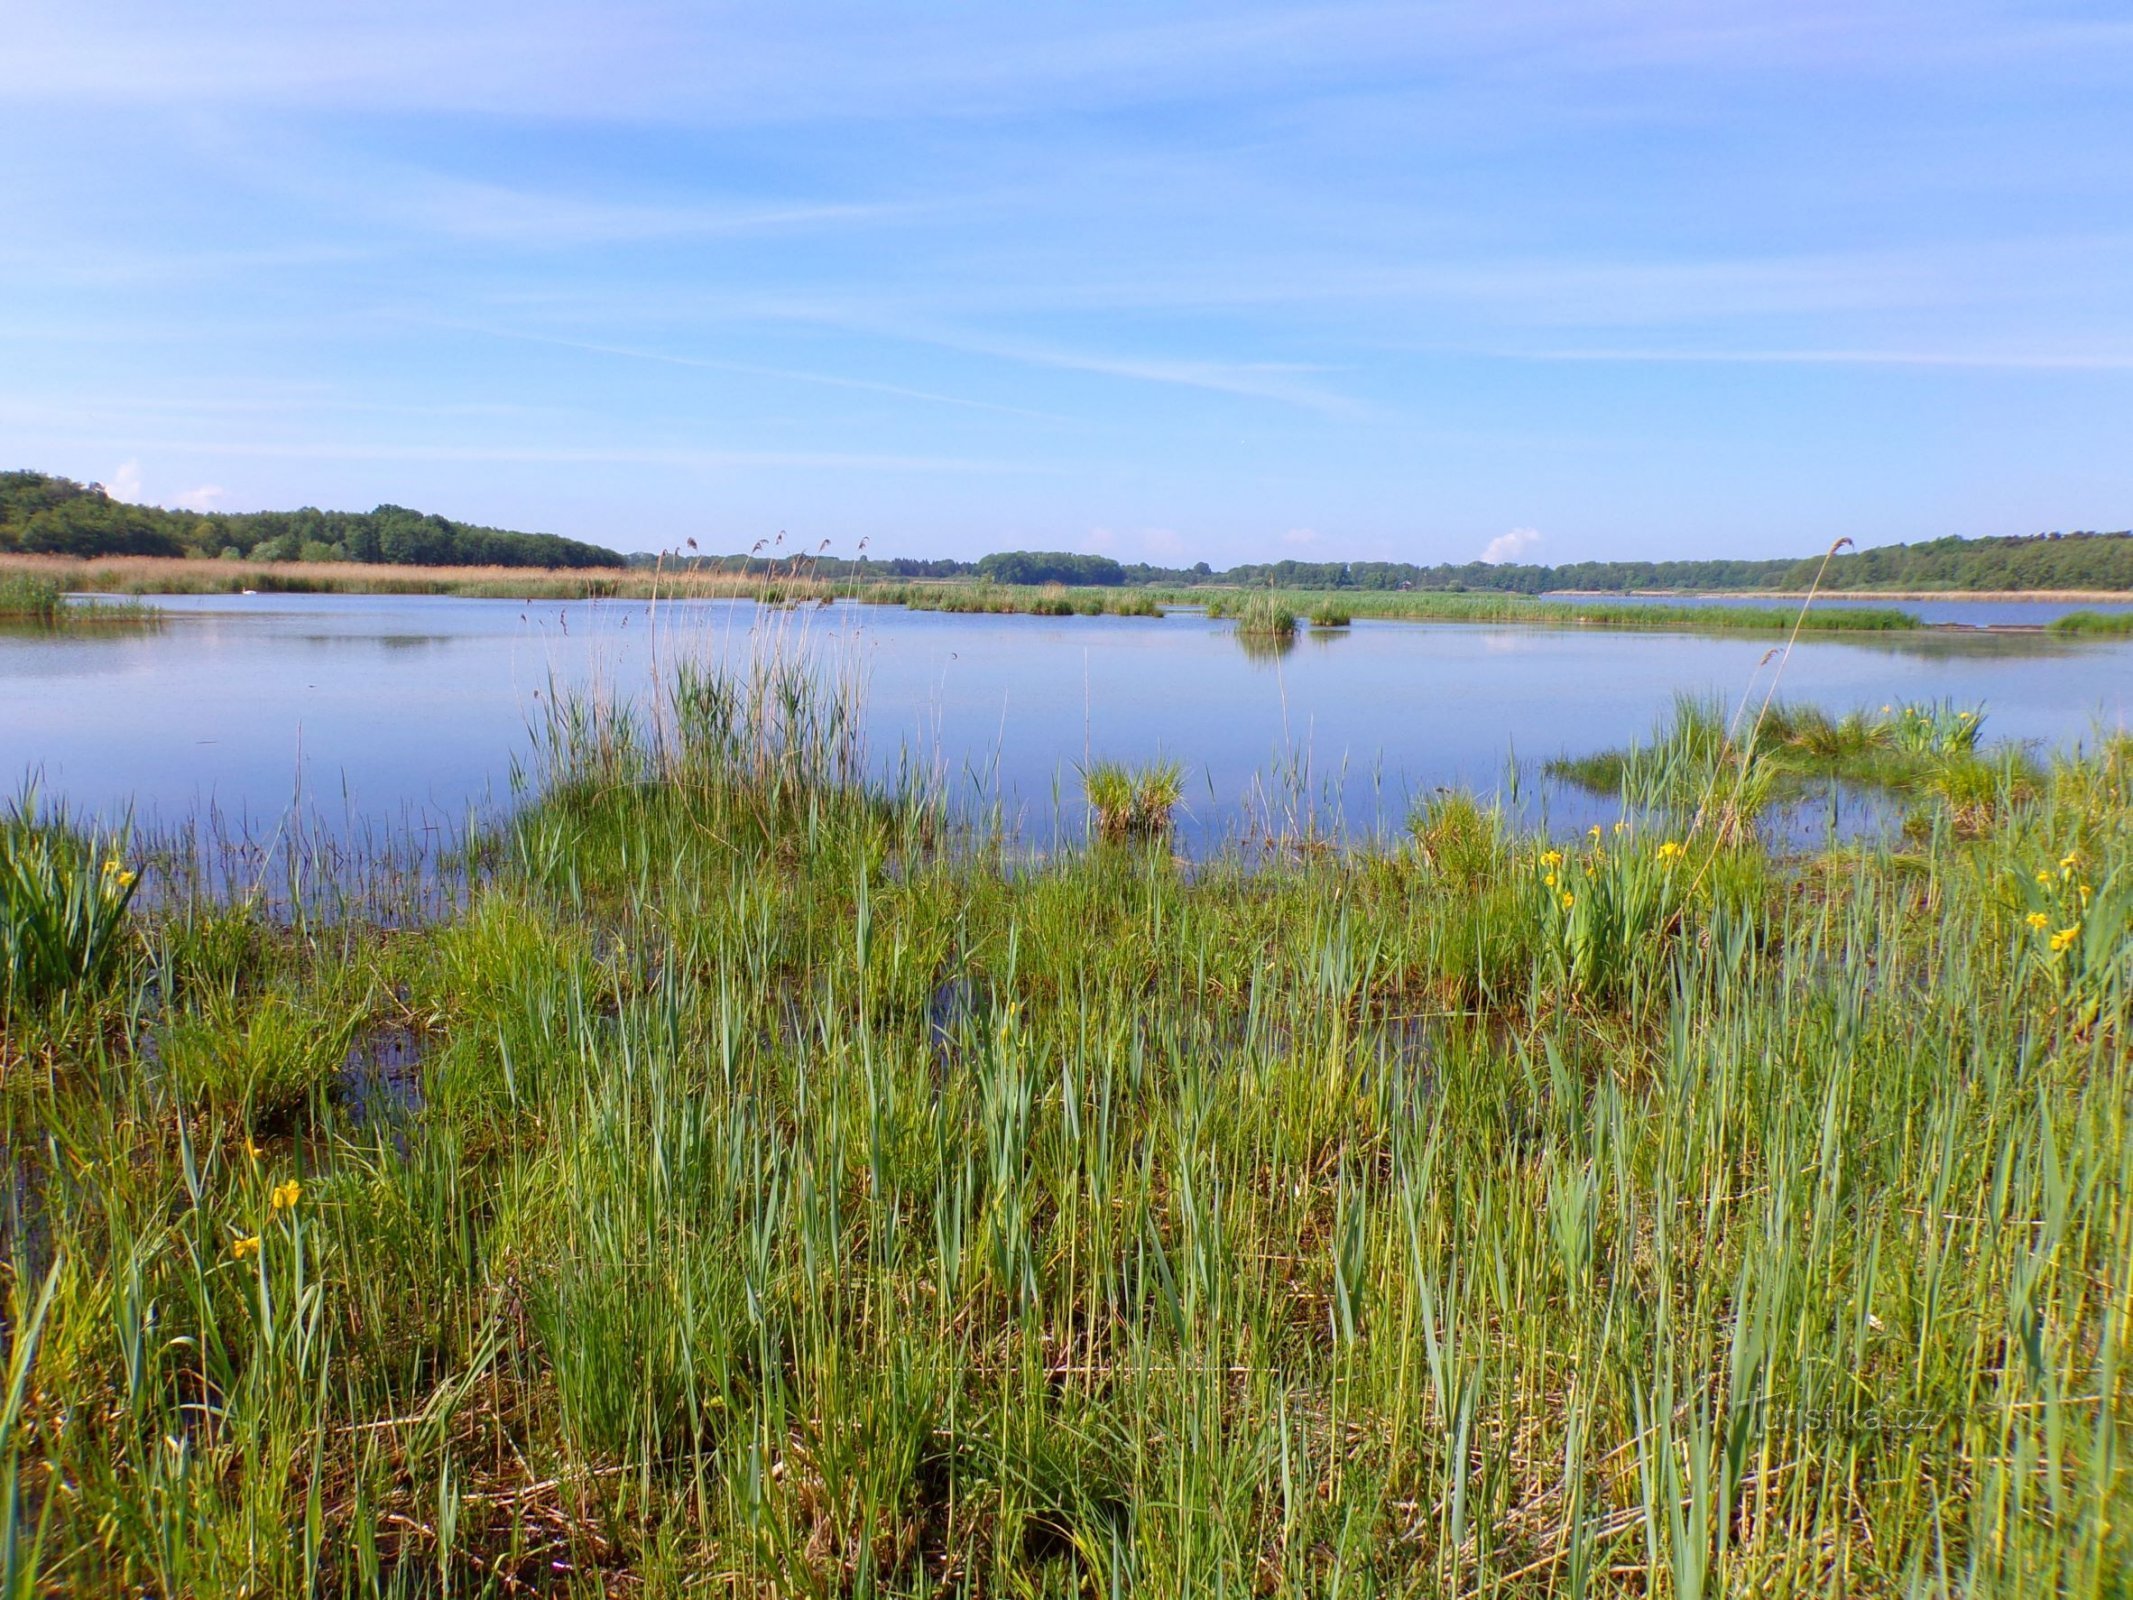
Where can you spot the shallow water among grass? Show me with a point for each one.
(384, 722)
(758, 1180)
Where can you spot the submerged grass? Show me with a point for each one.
(806, 1199)
(1701, 762)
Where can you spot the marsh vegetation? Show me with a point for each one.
(795, 1191)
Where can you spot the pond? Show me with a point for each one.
(402, 716)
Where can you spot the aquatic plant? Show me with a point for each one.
(1330, 613)
(1133, 803)
(64, 898)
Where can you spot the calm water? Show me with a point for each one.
(398, 714)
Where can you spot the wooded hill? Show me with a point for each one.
(48, 515)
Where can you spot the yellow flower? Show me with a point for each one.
(252, 1149)
(2084, 891)
(2044, 879)
(287, 1194)
(1569, 900)
(1669, 850)
(1621, 828)
(1549, 881)
(1594, 831)
(1552, 858)
(2038, 921)
(244, 1245)
(125, 880)
(2065, 937)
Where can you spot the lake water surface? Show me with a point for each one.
(407, 712)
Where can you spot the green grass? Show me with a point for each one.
(807, 1196)
(2085, 624)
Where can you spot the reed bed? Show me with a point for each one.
(1412, 606)
(37, 601)
(142, 575)
(795, 1194)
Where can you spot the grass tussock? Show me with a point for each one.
(797, 1196)
(1259, 614)
(1132, 805)
(1330, 613)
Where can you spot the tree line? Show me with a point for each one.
(2041, 561)
(43, 514)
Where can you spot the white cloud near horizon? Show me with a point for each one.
(1510, 546)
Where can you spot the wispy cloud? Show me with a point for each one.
(750, 370)
(1993, 360)
(1284, 382)
(620, 455)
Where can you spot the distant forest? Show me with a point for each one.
(45, 514)
(42, 514)
(2040, 561)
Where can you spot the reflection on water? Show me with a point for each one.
(1953, 612)
(1264, 646)
(399, 717)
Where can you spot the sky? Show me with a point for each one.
(1226, 281)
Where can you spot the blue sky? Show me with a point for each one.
(1177, 282)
